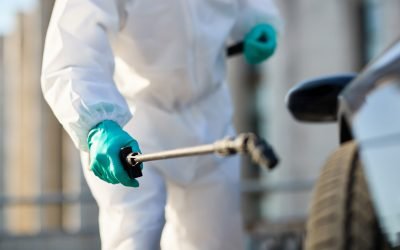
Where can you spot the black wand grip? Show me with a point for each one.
(132, 168)
(235, 49)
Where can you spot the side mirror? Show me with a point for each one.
(316, 100)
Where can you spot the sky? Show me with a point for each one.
(8, 13)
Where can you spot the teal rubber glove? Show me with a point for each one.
(260, 43)
(105, 141)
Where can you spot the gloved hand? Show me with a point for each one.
(260, 43)
(105, 141)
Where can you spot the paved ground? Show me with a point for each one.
(261, 237)
(51, 242)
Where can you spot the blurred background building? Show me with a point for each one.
(44, 200)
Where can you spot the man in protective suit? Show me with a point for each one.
(154, 70)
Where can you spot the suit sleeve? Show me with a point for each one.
(78, 66)
(253, 12)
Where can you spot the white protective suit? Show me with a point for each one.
(164, 62)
